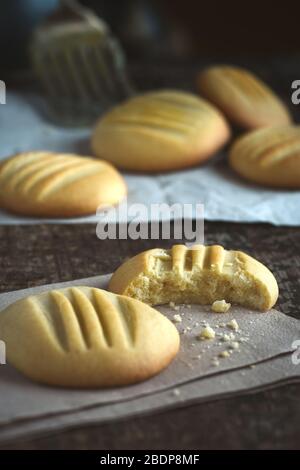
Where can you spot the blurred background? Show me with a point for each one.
(165, 42)
(168, 30)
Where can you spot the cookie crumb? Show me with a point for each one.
(188, 328)
(227, 337)
(176, 392)
(243, 339)
(234, 345)
(220, 306)
(177, 318)
(233, 325)
(207, 333)
(224, 354)
(215, 362)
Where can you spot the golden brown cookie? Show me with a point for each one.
(242, 97)
(48, 184)
(199, 275)
(159, 131)
(87, 337)
(270, 157)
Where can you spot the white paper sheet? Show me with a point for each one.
(225, 196)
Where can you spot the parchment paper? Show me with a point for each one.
(23, 128)
(269, 374)
(262, 336)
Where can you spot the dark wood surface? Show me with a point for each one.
(35, 255)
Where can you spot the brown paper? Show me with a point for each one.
(265, 375)
(261, 336)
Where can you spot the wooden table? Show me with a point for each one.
(34, 255)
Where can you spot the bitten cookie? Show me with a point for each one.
(270, 157)
(199, 275)
(47, 184)
(159, 131)
(242, 97)
(87, 337)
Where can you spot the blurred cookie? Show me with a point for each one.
(160, 131)
(87, 337)
(242, 97)
(269, 156)
(48, 184)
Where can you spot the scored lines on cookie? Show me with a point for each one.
(61, 179)
(203, 257)
(45, 173)
(246, 83)
(274, 153)
(81, 320)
